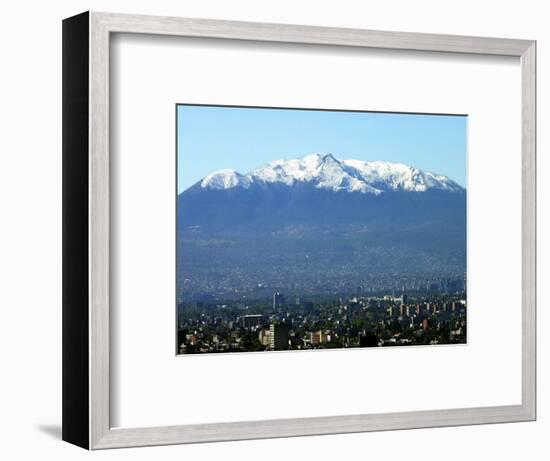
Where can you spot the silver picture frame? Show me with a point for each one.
(86, 229)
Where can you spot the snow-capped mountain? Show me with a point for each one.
(324, 171)
(297, 222)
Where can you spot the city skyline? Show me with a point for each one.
(345, 322)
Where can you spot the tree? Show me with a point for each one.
(369, 339)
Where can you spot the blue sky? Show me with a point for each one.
(213, 138)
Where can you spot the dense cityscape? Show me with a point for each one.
(326, 278)
(282, 322)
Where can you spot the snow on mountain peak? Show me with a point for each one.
(226, 179)
(324, 171)
(397, 176)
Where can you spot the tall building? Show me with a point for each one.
(278, 300)
(278, 337)
(252, 320)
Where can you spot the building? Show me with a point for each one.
(431, 307)
(401, 300)
(279, 334)
(319, 337)
(192, 339)
(278, 300)
(252, 320)
(264, 336)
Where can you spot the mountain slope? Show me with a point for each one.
(314, 223)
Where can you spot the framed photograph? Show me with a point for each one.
(278, 230)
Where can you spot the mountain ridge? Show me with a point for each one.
(324, 171)
(315, 224)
